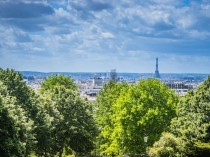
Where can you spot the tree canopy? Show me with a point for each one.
(58, 80)
(190, 129)
(15, 127)
(192, 123)
(167, 146)
(56, 121)
(135, 111)
(73, 127)
(27, 100)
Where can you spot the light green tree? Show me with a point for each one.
(104, 112)
(58, 80)
(145, 109)
(167, 146)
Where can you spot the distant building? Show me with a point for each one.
(113, 75)
(157, 75)
(97, 81)
(180, 87)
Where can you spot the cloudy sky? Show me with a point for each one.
(99, 35)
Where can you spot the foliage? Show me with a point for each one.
(18, 88)
(133, 112)
(105, 109)
(73, 127)
(55, 121)
(15, 127)
(58, 80)
(27, 99)
(202, 149)
(192, 123)
(167, 146)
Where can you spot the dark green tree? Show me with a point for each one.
(16, 129)
(18, 88)
(192, 123)
(28, 100)
(73, 128)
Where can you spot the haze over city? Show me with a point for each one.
(99, 35)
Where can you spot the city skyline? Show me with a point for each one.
(97, 35)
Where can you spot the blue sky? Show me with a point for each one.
(99, 35)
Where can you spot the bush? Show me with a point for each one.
(167, 146)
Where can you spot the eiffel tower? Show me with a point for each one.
(157, 75)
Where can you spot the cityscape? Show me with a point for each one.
(98, 78)
(90, 84)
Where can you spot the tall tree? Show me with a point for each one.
(17, 87)
(15, 126)
(141, 110)
(192, 123)
(105, 110)
(73, 127)
(28, 100)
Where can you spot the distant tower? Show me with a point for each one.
(157, 75)
(113, 75)
(97, 81)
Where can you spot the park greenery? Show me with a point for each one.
(56, 122)
(52, 122)
(128, 113)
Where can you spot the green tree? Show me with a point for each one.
(104, 111)
(42, 130)
(58, 80)
(28, 100)
(145, 109)
(15, 126)
(168, 146)
(18, 88)
(73, 127)
(192, 123)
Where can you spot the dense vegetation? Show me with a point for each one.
(127, 114)
(190, 129)
(56, 121)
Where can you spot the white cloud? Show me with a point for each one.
(107, 35)
(98, 31)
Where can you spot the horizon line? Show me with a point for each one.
(109, 72)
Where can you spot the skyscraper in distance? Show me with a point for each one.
(113, 75)
(157, 75)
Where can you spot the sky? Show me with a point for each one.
(100, 35)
